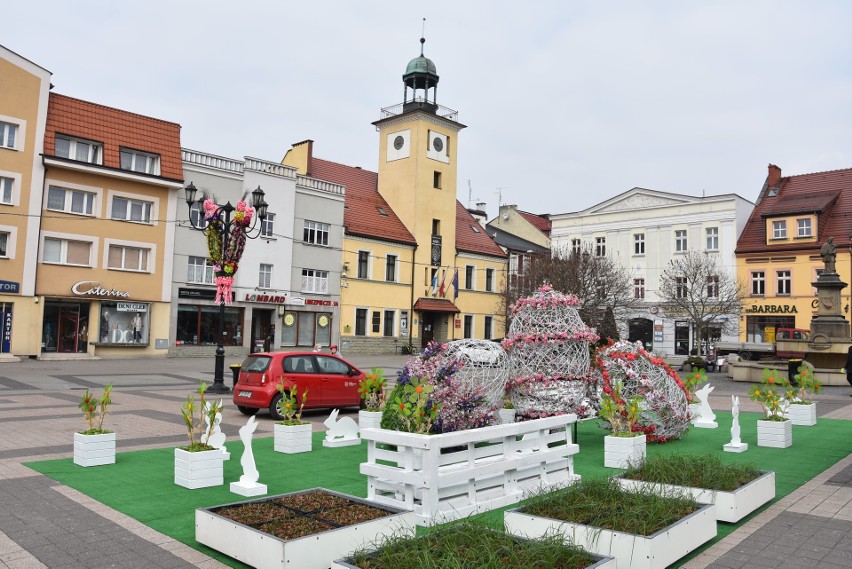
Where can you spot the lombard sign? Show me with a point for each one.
(268, 298)
(10, 287)
(92, 288)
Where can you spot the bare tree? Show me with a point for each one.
(697, 286)
(603, 286)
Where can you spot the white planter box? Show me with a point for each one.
(657, 551)
(199, 469)
(619, 451)
(778, 434)
(730, 506)
(316, 551)
(94, 450)
(506, 416)
(453, 475)
(293, 439)
(804, 415)
(369, 419)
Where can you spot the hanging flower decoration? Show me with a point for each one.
(226, 263)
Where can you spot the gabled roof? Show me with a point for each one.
(115, 129)
(471, 236)
(362, 214)
(541, 222)
(826, 194)
(513, 242)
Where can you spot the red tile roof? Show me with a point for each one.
(471, 236)
(541, 222)
(115, 129)
(827, 194)
(361, 215)
(424, 304)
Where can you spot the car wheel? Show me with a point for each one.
(275, 407)
(247, 411)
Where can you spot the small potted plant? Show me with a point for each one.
(691, 381)
(372, 390)
(507, 413)
(292, 435)
(802, 409)
(199, 465)
(626, 444)
(95, 446)
(774, 395)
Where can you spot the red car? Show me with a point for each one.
(330, 380)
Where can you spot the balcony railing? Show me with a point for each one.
(320, 185)
(274, 168)
(440, 110)
(211, 160)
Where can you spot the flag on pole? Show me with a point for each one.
(443, 291)
(435, 283)
(456, 285)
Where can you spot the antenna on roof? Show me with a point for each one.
(422, 36)
(499, 193)
(469, 193)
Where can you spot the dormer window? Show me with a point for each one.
(79, 149)
(137, 161)
(804, 227)
(779, 229)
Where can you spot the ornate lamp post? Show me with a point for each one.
(226, 228)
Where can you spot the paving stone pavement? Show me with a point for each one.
(46, 524)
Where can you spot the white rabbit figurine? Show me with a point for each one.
(248, 484)
(340, 433)
(217, 437)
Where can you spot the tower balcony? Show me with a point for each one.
(419, 104)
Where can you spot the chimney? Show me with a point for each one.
(774, 176)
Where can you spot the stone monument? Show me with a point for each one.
(829, 338)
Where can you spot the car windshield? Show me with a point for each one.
(256, 364)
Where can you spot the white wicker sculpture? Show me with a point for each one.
(665, 414)
(483, 363)
(548, 348)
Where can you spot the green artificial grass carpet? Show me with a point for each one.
(141, 484)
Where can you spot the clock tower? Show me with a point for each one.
(417, 166)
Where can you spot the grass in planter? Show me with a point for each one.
(602, 503)
(466, 544)
(697, 471)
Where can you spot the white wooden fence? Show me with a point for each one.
(448, 476)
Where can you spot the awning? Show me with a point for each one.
(435, 305)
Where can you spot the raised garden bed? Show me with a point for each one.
(307, 529)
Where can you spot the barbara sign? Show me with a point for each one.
(92, 288)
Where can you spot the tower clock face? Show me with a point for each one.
(398, 145)
(398, 142)
(438, 144)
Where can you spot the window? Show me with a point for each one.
(131, 210)
(377, 321)
(127, 258)
(137, 161)
(804, 227)
(314, 281)
(713, 286)
(390, 317)
(390, 268)
(576, 246)
(8, 132)
(600, 246)
(784, 282)
(363, 264)
(468, 277)
(123, 323)
(198, 325)
(638, 243)
(267, 226)
(489, 280)
(436, 180)
(779, 229)
(6, 189)
(680, 287)
(680, 241)
(468, 326)
(712, 238)
(360, 321)
(67, 252)
(489, 328)
(436, 227)
(4, 244)
(758, 283)
(265, 276)
(316, 233)
(196, 216)
(199, 270)
(70, 201)
(80, 150)
(639, 288)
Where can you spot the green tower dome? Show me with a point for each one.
(421, 64)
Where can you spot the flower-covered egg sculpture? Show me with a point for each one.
(663, 396)
(548, 349)
(483, 364)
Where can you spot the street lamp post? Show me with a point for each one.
(225, 229)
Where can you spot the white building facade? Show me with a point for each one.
(644, 230)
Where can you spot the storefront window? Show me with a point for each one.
(124, 323)
(757, 327)
(306, 329)
(199, 326)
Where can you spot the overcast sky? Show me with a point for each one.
(567, 103)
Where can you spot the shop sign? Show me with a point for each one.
(772, 309)
(131, 307)
(92, 288)
(7, 332)
(273, 299)
(318, 302)
(296, 301)
(199, 293)
(10, 287)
